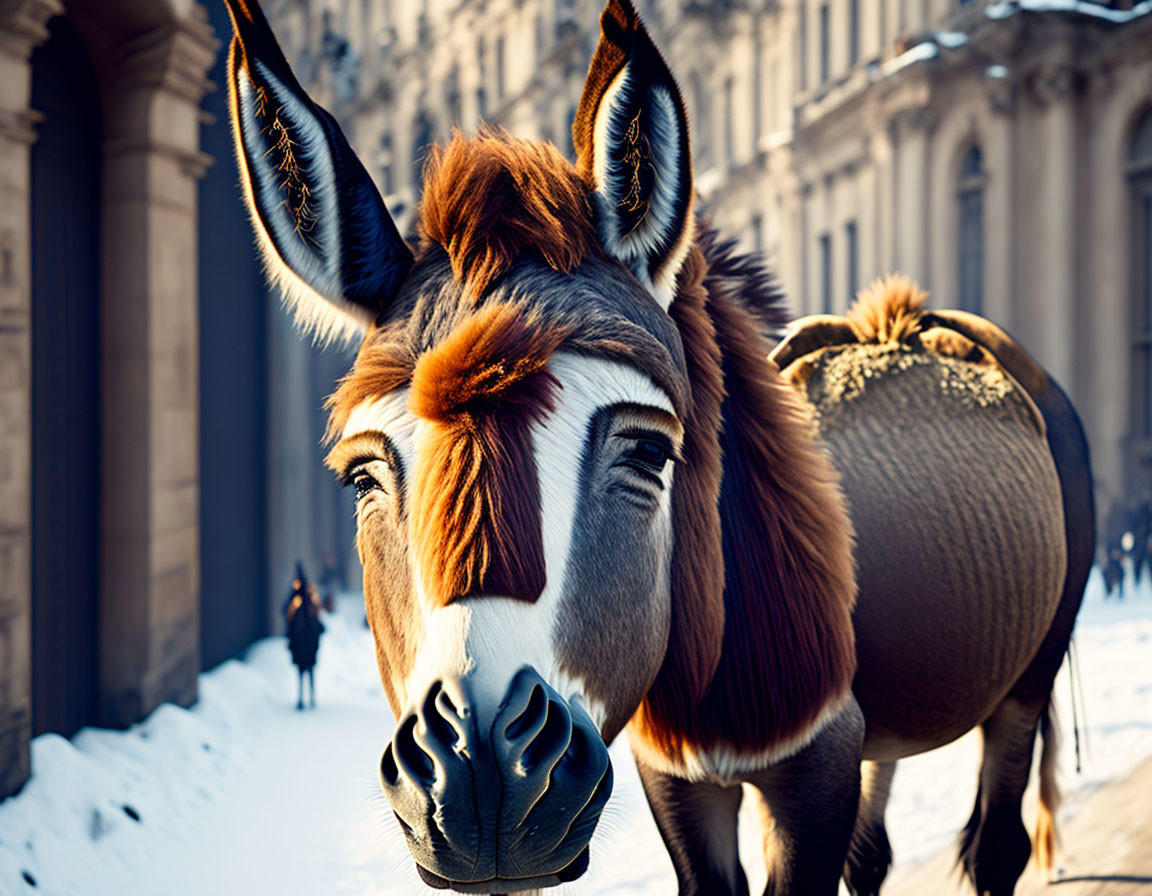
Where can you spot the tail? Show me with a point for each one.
(1046, 838)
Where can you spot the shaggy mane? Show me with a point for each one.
(761, 642)
(888, 311)
(493, 198)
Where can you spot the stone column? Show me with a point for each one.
(149, 620)
(1000, 226)
(22, 27)
(1055, 88)
(880, 150)
(912, 214)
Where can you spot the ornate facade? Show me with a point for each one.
(160, 421)
(997, 152)
(99, 166)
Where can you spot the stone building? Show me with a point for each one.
(159, 420)
(998, 152)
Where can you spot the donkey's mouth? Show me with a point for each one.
(567, 874)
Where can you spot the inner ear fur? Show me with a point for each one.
(327, 239)
(631, 140)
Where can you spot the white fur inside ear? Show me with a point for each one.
(322, 313)
(637, 248)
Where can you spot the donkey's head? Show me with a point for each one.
(510, 428)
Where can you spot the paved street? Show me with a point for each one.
(1106, 849)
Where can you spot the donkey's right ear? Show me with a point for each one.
(327, 238)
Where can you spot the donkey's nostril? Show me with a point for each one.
(388, 770)
(440, 722)
(553, 739)
(414, 762)
(531, 719)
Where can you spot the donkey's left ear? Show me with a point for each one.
(326, 235)
(631, 140)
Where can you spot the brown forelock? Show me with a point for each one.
(786, 542)
(493, 198)
(475, 494)
(889, 310)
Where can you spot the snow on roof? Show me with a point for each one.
(1006, 8)
(919, 53)
(950, 40)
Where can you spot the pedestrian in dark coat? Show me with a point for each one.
(302, 614)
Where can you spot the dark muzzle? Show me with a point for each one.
(509, 805)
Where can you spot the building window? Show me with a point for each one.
(501, 85)
(970, 232)
(803, 55)
(703, 130)
(1140, 188)
(824, 47)
(853, 32)
(423, 132)
(851, 269)
(481, 78)
(758, 233)
(826, 273)
(757, 92)
(387, 185)
(452, 96)
(570, 144)
(729, 125)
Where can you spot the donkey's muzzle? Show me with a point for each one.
(500, 805)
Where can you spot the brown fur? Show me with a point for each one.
(785, 544)
(494, 198)
(381, 366)
(1046, 839)
(475, 496)
(697, 576)
(889, 310)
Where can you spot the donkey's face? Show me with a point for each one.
(510, 428)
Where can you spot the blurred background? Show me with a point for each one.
(160, 421)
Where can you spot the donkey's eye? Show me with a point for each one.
(651, 454)
(363, 483)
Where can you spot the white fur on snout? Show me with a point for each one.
(490, 638)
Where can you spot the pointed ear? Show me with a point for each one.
(631, 140)
(327, 238)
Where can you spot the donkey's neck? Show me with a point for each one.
(761, 643)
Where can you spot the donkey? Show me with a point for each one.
(588, 503)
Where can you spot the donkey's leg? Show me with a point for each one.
(698, 824)
(810, 801)
(870, 854)
(995, 846)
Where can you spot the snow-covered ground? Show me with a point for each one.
(244, 795)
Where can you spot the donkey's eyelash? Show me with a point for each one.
(355, 468)
(651, 435)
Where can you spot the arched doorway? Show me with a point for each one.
(65, 215)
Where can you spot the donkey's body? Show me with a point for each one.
(538, 575)
(966, 473)
(959, 522)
